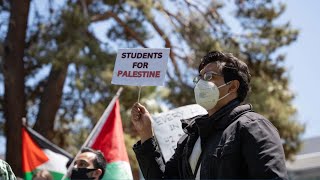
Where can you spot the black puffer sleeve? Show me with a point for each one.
(152, 163)
(262, 148)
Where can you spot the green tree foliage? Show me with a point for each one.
(68, 67)
(270, 92)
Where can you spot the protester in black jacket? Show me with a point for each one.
(230, 142)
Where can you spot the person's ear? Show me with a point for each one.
(234, 86)
(97, 173)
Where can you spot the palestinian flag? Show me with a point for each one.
(109, 139)
(39, 153)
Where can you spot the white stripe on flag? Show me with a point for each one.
(57, 162)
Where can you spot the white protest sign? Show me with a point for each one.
(141, 67)
(167, 127)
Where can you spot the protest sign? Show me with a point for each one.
(141, 67)
(167, 127)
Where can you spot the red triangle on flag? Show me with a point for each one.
(32, 154)
(110, 139)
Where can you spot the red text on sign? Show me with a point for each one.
(149, 74)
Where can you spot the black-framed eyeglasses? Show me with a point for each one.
(206, 76)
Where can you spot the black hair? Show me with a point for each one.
(99, 162)
(231, 68)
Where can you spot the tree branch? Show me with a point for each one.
(128, 29)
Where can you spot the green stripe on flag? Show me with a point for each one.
(28, 176)
(118, 170)
(55, 175)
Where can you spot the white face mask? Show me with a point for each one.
(207, 94)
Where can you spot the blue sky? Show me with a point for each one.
(303, 62)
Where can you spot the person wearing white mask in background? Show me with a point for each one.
(230, 142)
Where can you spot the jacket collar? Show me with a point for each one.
(219, 120)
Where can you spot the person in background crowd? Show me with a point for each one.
(6, 171)
(90, 164)
(42, 175)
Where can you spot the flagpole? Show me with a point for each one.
(96, 128)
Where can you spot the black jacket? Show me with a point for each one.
(236, 144)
